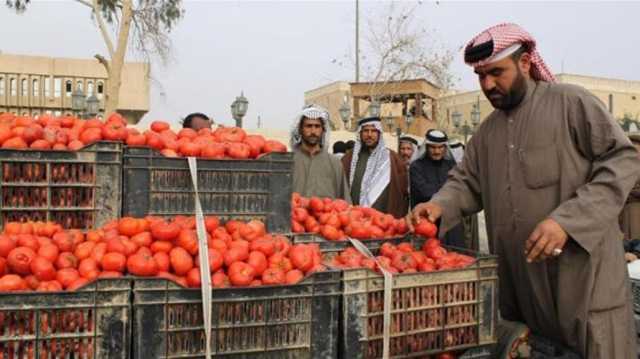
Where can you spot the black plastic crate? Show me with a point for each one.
(92, 322)
(444, 311)
(78, 189)
(230, 189)
(635, 291)
(292, 321)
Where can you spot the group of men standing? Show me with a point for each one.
(549, 166)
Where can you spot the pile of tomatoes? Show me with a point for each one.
(44, 257)
(404, 258)
(335, 219)
(70, 133)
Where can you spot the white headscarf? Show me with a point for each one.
(414, 155)
(313, 112)
(433, 137)
(377, 175)
(457, 150)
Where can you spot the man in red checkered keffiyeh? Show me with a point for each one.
(500, 41)
(490, 52)
(552, 169)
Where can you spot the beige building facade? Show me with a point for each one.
(622, 97)
(33, 85)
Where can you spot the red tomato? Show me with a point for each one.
(301, 257)
(43, 269)
(84, 250)
(403, 261)
(180, 260)
(216, 260)
(88, 268)
(220, 280)
(211, 223)
(142, 265)
(235, 254)
(256, 143)
(266, 245)
(114, 132)
(278, 260)
(161, 246)
(78, 283)
(49, 286)
(406, 247)
(6, 245)
(188, 240)
(388, 250)
(142, 239)
(12, 282)
(189, 149)
(241, 274)
(19, 260)
(114, 261)
(273, 276)
(99, 251)
(294, 276)
(67, 276)
(193, 278)
(159, 126)
(163, 231)
(238, 151)
(162, 260)
(274, 146)
(258, 261)
(425, 228)
(64, 241)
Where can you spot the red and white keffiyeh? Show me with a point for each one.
(501, 40)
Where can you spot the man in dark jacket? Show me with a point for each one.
(429, 172)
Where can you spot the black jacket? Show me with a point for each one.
(426, 178)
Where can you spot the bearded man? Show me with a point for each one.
(552, 170)
(315, 171)
(377, 175)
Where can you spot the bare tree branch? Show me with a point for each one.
(103, 61)
(102, 26)
(85, 3)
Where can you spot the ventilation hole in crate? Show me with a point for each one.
(24, 197)
(241, 339)
(82, 219)
(72, 197)
(73, 173)
(21, 172)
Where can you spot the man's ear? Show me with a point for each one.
(525, 63)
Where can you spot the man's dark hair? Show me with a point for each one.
(187, 120)
(339, 147)
(518, 54)
(351, 144)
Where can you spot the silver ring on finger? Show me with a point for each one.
(557, 252)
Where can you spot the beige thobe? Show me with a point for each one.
(319, 175)
(558, 155)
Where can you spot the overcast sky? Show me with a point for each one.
(274, 51)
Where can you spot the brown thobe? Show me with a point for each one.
(558, 155)
(319, 175)
(630, 216)
(394, 198)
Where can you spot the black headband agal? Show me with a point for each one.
(479, 52)
(364, 121)
(409, 139)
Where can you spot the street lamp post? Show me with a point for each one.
(374, 108)
(93, 106)
(239, 109)
(408, 120)
(463, 126)
(78, 103)
(345, 114)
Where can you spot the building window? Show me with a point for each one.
(24, 87)
(35, 88)
(57, 87)
(100, 89)
(89, 88)
(79, 86)
(35, 114)
(47, 87)
(48, 112)
(57, 113)
(1, 86)
(68, 87)
(633, 97)
(25, 113)
(13, 87)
